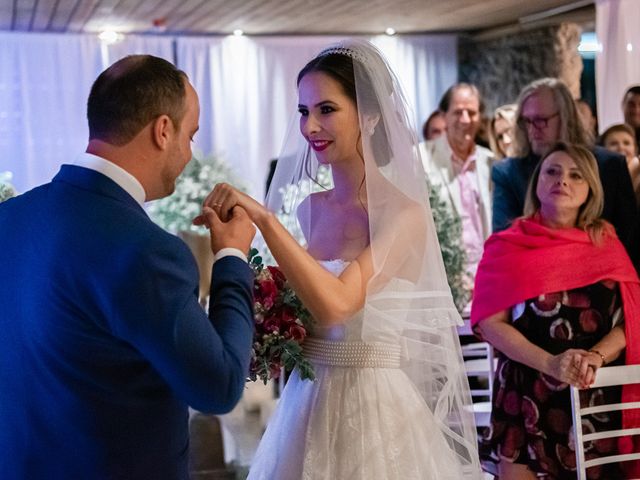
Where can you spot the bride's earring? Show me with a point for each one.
(370, 122)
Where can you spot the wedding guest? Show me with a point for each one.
(104, 343)
(621, 138)
(631, 109)
(501, 131)
(557, 296)
(546, 115)
(434, 126)
(390, 399)
(460, 169)
(588, 119)
(482, 136)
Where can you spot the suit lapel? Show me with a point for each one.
(446, 173)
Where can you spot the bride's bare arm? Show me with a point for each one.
(330, 299)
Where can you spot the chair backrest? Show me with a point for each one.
(605, 377)
(479, 363)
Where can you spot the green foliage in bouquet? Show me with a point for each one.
(175, 212)
(449, 232)
(6, 189)
(281, 325)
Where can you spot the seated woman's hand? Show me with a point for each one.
(595, 361)
(571, 366)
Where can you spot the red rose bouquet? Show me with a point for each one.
(281, 322)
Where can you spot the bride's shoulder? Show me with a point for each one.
(321, 196)
(406, 215)
(408, 209)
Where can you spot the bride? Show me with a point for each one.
(390, 399)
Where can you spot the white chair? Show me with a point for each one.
(480, 364)
(605, 377)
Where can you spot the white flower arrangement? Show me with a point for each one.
(6, 188)
(175, 212)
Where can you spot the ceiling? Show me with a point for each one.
(279, 17)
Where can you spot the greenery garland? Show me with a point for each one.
(449, 232)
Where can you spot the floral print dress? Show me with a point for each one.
(531, 420)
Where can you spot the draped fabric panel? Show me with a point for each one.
(426, 66)
(44, 84)
(248, 96)
(135, 44)
(246, 87)
(618, 63)
(45, 80)
(248, 92)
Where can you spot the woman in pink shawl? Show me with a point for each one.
(557, 296)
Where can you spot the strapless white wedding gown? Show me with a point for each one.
(352, 422)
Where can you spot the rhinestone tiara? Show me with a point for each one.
(343, 51)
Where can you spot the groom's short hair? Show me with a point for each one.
(132, 92)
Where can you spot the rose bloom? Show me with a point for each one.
(266, 293)
(271, 323)
(296, 332)
(288, 315)
(277, 276)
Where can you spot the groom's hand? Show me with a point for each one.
(237, 232)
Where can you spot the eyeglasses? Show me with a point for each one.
(537, 122)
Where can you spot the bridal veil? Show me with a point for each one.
(408, 300)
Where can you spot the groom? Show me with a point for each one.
(103, 344)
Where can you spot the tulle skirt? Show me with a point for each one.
(353, 423)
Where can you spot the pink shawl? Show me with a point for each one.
(530, 259)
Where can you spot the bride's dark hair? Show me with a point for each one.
(337, 66)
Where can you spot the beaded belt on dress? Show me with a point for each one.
(352, 354)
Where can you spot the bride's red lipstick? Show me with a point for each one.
(319, 145)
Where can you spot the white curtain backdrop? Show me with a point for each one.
(618, 63)
(246, 87)
(44, 84)
(135, 44)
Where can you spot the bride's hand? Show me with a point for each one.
(224, 197)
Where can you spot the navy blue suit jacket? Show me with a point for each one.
(511, 179)
(102, 341)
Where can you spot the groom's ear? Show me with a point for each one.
(161, 130)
